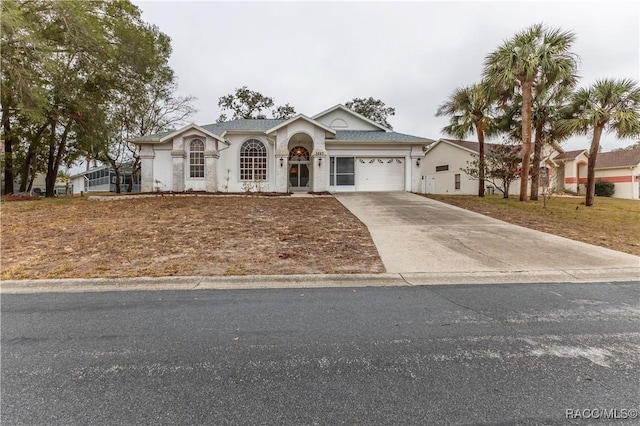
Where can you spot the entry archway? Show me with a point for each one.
(299, 173)
(299, 165)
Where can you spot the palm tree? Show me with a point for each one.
(608, 105)
(470, 109)
(65, 176)
(547, 108)
(519, 64)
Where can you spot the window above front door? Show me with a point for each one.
(299, 153)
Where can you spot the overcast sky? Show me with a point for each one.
(410, 55)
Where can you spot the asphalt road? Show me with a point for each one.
(483, 354)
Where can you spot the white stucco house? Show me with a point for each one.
(445, 159)
(334, 150)
(622, 168)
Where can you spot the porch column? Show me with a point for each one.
(319, 162)
(177, 156)
(282, 171)
(416, 157)
(146, 168)
(211, 170)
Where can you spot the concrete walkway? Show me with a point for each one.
(415, 234)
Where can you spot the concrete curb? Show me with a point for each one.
(316, 281)
(521, 277)
(199, 283)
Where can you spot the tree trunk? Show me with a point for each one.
(55, 158)
(535, 164)
(8, 153)
(591, 165)
(116, 169)
(32, 176)
(481, 167)
(29, 166)
(135, 169)
(118, 188)
(26, 168)
(505, 192)
(526, 138)
(50, 160)
(130, 187)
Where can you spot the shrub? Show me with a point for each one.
(605, 189)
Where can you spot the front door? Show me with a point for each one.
(299, 175)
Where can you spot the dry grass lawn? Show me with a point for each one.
(611, 222)
(178, 236)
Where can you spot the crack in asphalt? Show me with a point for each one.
(489, 317)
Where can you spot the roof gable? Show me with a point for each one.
(166, 136)
(468, 146)
(471, 147)
(297, 118)
(570, 155)
(342, 118)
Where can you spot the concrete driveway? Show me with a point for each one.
(415, 234)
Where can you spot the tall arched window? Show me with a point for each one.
(196, 159)
(253, 160)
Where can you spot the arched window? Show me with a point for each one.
(253, 160)
(299, 153)
(196, 159)
(338, 123)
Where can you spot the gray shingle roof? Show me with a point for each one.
(375, 136)
(266, 124)
(473, 146)
(623, 158)
(242, 124)
(153, 136)
(569, 155)
(220, 128)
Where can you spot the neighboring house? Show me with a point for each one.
(335, 150)
(103, 179)
(622, 168)
(444, 161)
(573, 170)
(39, 186)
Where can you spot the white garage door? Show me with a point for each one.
(380, 174)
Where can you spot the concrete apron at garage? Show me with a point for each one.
(415, 234)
